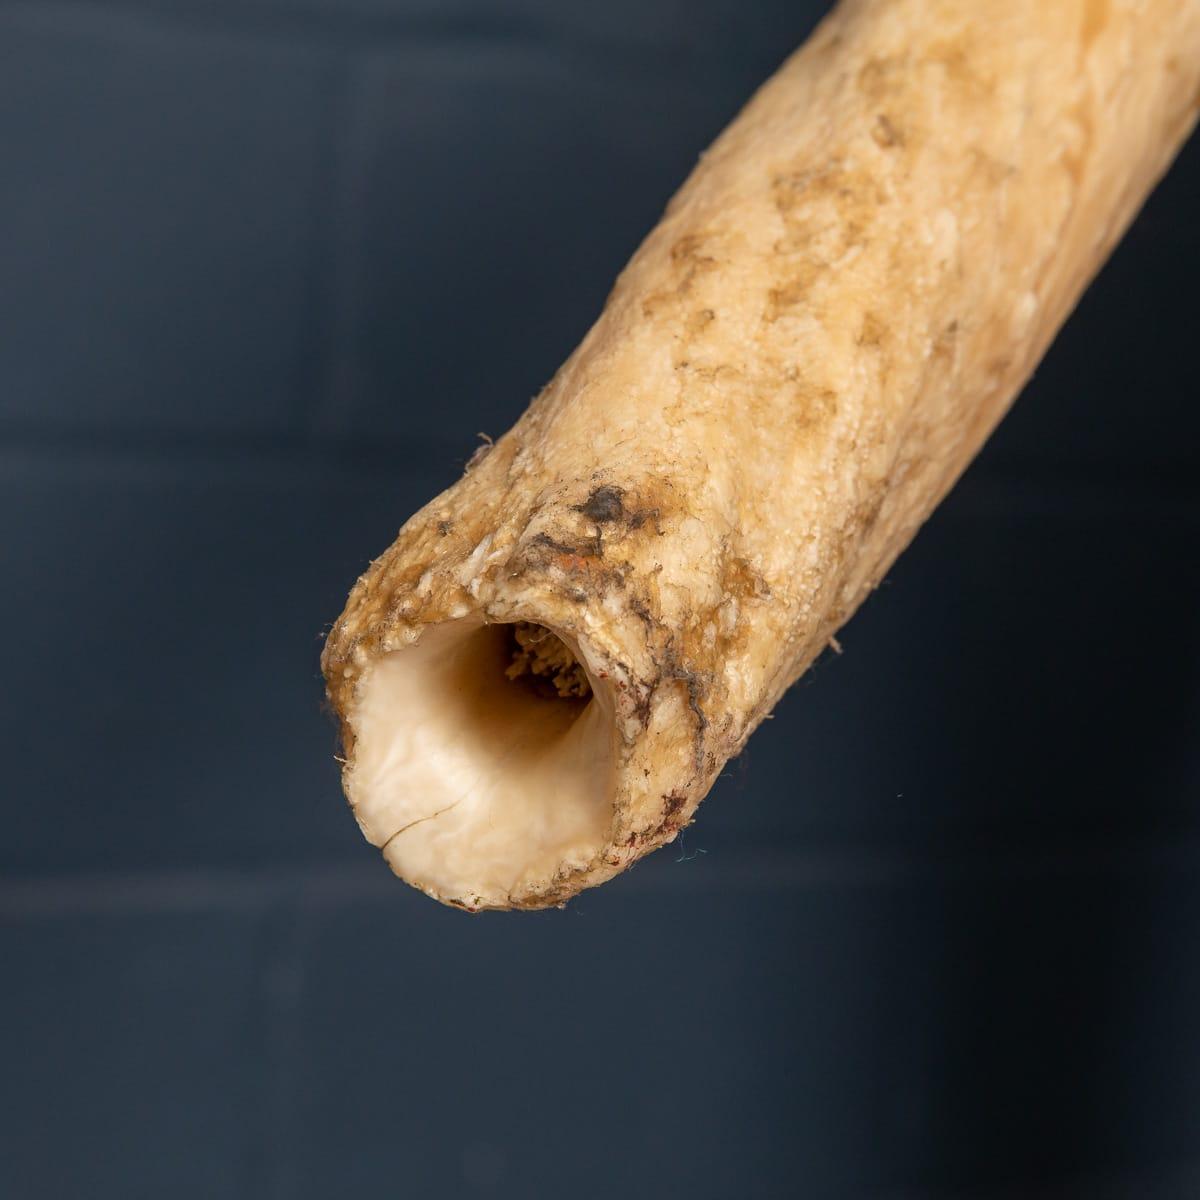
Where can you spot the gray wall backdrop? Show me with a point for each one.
(266, 268)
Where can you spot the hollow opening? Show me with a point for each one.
(483, 760)
(542, 660)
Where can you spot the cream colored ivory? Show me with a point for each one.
(798, 362)
(447, 745)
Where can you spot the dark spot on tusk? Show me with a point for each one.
(604, 504)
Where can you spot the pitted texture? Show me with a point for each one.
(796, 365)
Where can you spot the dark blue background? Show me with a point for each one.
(266, 268)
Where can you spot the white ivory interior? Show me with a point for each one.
(475, 786)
